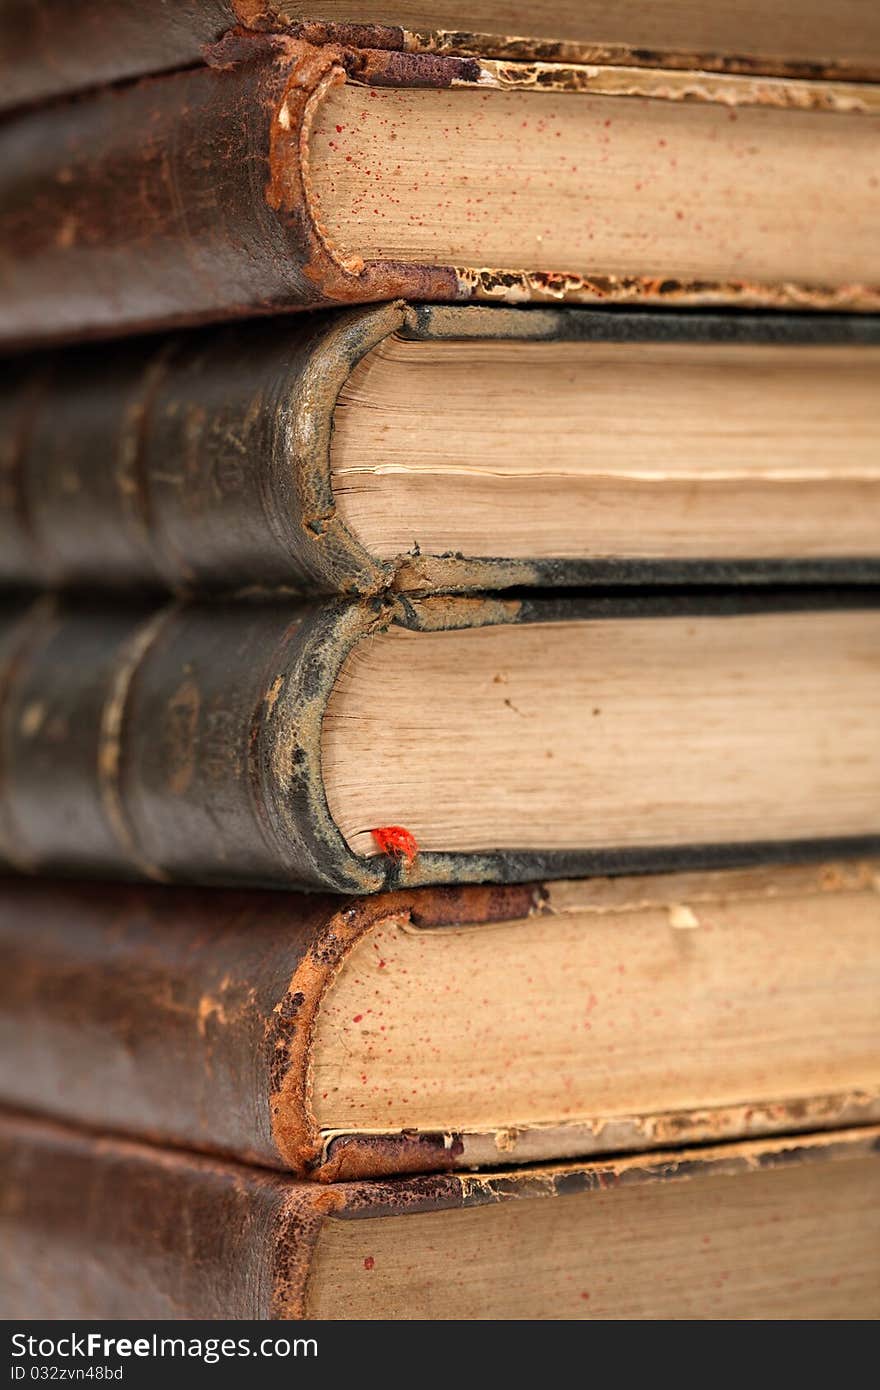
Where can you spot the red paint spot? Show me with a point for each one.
(369, 1263)
(398, 842)
(340, 129)
(357, 1018)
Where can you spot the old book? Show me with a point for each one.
(103, 1228)
(449, 1028)
(328, 744)
(288, 176)
(43, 57)
(469, 447)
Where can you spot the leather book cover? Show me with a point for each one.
(202, 461)
(105, 230)
(98, 1228)
(43, 54)
(202, 1018)
(185, 743)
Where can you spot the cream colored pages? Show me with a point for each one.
(617, 1010)
(599, 185)
(793, 1241)
(586, 450)
(612, 733)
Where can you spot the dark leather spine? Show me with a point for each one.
(200, 462)
(151, 1011)
(97, 1228)
(179, 744)
(44, 53)
(179, 199)
(186, 1016)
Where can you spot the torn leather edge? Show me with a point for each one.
(345, 278)
(291, 1029)
(515, 48)
(443, 1192)
(352, 1154)
(462, 43)
(343, 1155)
(721, 89)
(306, 74)
(382, 68)
(526, 287)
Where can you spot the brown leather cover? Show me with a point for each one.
(179, 199)
(183, 199)
(190, 1017)
(202, 461)
(44, 52)
(185, 744)
(107, 993)
(102, 1228)
(97, 1228)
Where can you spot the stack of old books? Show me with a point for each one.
(512, 612)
